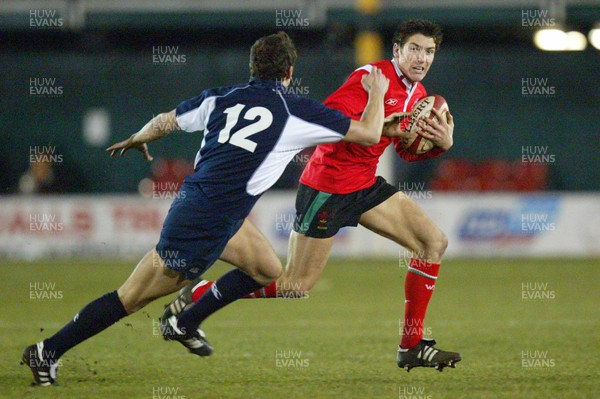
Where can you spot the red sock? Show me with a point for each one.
(418, 289)
(200, 289)
(268, 291)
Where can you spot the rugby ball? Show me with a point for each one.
(412, 142)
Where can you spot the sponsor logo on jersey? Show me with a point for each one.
(391, 101)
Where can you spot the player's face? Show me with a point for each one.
(415, 57)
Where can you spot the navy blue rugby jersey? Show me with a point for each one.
(251, 132)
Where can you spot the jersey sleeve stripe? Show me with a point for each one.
(367, 68)
(191, 121)
(195, 121)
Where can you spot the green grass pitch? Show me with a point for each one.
(525, 328)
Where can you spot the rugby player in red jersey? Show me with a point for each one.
(339, 188)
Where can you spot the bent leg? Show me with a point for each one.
(307, 257)
(257, 265)
(250, 251)
(148, 281)
(401, 220)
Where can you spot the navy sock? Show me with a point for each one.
(92, 319)
(230, 287)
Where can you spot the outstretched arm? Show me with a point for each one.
(157, 128)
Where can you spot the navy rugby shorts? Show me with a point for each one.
(195, 232)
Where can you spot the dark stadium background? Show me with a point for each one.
(107, 63)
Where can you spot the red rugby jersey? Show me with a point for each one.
(342, 168)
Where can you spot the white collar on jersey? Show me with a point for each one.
(407, 83)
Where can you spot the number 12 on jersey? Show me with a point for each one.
(263, 119)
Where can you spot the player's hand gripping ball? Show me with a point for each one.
(412, 142)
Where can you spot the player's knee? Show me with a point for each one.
(436, 245)
(443, 243)
(266, 273)
(273, 272)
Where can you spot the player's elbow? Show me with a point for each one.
(166, 122)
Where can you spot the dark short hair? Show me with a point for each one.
(272, 56)
(414, 26)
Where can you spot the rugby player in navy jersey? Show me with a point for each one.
(251, 132)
